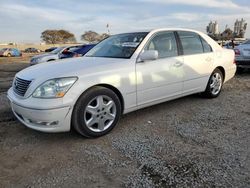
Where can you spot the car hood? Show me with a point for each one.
(81, 66)
(43, 55)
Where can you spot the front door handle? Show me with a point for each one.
(178, 64)
(208, 59)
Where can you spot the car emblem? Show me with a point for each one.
(15, 84)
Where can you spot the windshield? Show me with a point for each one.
(72, 49)
(118, 46)
(57, 50)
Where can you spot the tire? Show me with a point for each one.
(96, 112)
(214, 84)
(8, 55)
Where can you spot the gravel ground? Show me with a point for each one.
(189, 142)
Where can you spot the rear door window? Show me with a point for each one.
(206, 47)
(191, 42)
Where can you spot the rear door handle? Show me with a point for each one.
(178, 64)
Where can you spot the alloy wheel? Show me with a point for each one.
(216, 83)
(100, 113)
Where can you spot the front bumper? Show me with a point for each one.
(45, 120)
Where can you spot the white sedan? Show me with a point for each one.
(51, 56)
(121, 74)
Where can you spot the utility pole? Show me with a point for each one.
(108, 28)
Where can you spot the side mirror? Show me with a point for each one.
(149, 55)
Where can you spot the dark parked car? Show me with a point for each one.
(32, 50)
(229, 45)
(50, 49)
(76, 51)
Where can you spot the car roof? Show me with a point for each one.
(173, 29)
(162, 29)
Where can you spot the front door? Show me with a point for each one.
(162, 78)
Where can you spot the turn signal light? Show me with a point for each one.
(60, 94)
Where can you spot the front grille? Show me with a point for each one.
(20, 86)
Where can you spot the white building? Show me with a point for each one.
(240, 27)
(213, 28)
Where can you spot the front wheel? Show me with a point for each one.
(214, 85)
(96, 112)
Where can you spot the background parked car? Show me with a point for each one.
(76, 51)
(50, 49)
(242, 56)
(10, 52)
(51, 56)
(229, 45)
(61, 53)
(32, 50)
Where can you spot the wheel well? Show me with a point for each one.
(222, 71)
(116, 91)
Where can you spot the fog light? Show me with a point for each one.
(43, 123)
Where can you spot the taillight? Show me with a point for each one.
(237, 51)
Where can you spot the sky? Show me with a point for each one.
(22, 21)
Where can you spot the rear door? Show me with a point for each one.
(198, 61)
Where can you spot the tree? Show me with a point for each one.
(103, 36)
(227, 34)
(90, 36)
(57, 36)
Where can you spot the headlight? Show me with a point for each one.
(35, 60)
(54, 88)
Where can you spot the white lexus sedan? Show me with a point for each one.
(121, 74)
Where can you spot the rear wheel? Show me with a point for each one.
(96, 112)
(214, 85)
